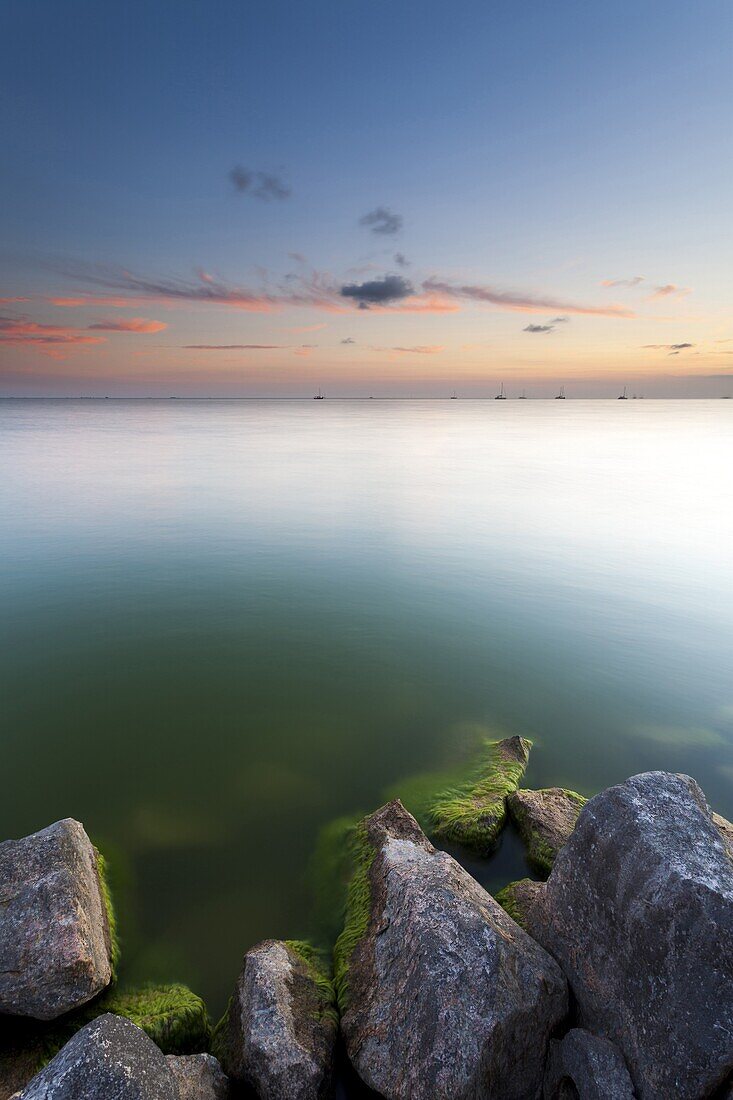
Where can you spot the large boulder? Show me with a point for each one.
(198, 1077)
(279, 1033)
(545, 819)
(725, 828)
(441, 993)
(638, 911)
(55, 938)
(109, 1059)
(593, 1067)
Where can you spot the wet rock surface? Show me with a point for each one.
(109, 1059)
(522, 901)
(442, 994)
(198, 1077)
(55, 942)
(280, 1029)
(545, 819)
(593, 1067)
(638, 910)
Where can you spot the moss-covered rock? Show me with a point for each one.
(104, 888)
(329, 872)
(520, 900)
(279, 1032)
(171, 1015)
(473, 812)
(545, 819)
(360, 854)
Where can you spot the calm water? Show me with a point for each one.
(226, 623)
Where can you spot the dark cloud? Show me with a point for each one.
(349, 340)
(634, 281)
(258, 185)
(382, 221)
(298, 257)
(560, 320)
(390, 288)
(401, 260)
(668, 347)
(538, 328)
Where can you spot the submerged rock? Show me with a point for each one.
(56, 946)
(441, 993)
(521, 901)
(279, 1032)
(545, 819)
(198, 1077)
(109, 1059)
(469, 809)
(638, 911)
(593, 1066)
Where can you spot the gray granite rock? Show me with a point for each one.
(593, 1067)
(198, 1077)
(545, 819)
(55, 945)
(280, 1029)
(109, 1059)
(638, 911)
(442, 994)
(725, 828)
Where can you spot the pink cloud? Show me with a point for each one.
(134, 324)
(523, 302)
(669, 290)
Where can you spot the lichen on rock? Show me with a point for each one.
(521, 900)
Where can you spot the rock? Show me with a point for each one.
(441, 993)
(55, 939)
(470, 810)
(109, 1059)
(638, 911)
(725, 828)
(279, 1033)
(545, 819)
(521, 900)
(593, 1066)
(198, 1077)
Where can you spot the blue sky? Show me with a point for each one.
(530, 154)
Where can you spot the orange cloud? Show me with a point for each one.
(522, 302)
(669, 290)
(134, 324)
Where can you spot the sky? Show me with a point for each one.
(371, 198)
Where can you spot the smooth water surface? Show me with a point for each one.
(225, 623)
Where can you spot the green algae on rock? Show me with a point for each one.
(545, 819)
(473, 812)
(105, 891)
(319, 971)
(329, 872)
(519, 899)
(358, 906)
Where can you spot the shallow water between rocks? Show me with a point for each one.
(226, 623)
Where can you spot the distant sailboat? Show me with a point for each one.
(501, 396)
(454, 396)
(523, 396)
(319, 396)
(561, 395)
(622, 396)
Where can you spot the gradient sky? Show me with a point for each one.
(383, 198)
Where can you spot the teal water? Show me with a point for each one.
(226, 623)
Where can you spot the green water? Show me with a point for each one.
(226, 623)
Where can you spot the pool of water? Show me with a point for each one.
(226, 623)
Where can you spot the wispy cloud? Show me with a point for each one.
(390, 288)
(234, 347)
(633, 281)
(561, 320)
(669, 290)
(349, 340)
(520, 301)
(419, 349)
(671, 349)
(401, 260)
(134, 324)
(382, 221)
(538, 328)
(259, 185)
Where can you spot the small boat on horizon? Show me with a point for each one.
(561, 395)
(522, 396)
(501, 396)
(319, 396)
(622, 396)
(454, 396)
